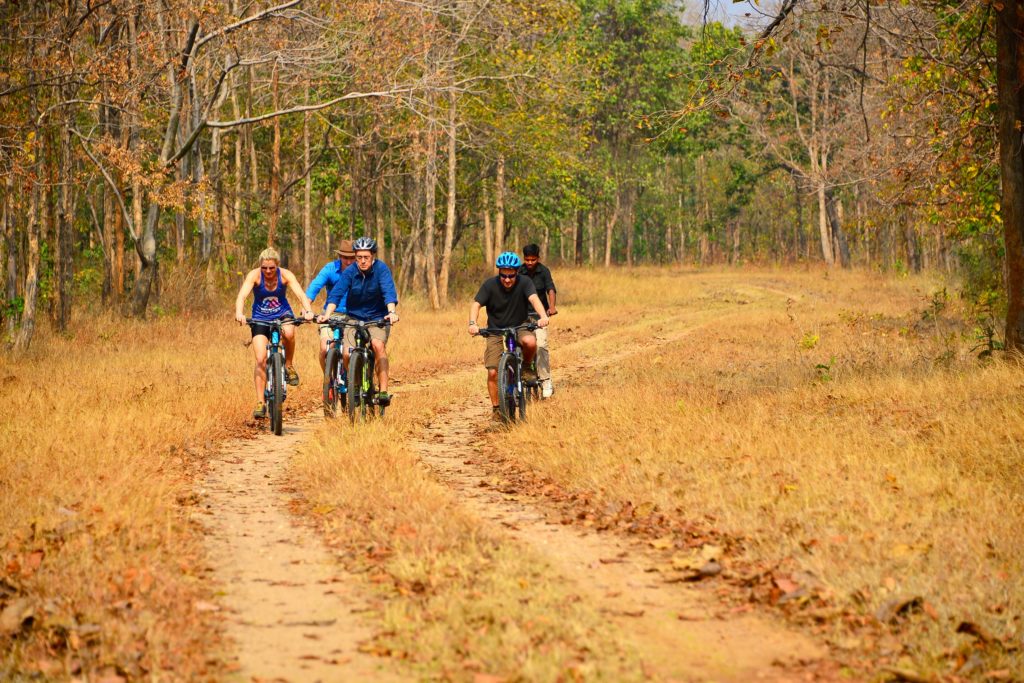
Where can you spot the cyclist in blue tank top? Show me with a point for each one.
(269, 285)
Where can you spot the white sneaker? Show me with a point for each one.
(546, 389)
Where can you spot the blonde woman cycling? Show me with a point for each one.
(269, 285)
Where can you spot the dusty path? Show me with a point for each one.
(287, 608)
(678, 630)
(675, 628)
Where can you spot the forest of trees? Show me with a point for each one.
(144, 138)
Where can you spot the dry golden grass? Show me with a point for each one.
(837, 433)
(457, 600)
(819, 420)
(101, 437)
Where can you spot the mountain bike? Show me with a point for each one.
(276, 390)
(335, 386)
(511, 391)
(362, 394)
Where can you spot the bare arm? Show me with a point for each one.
(551, 302)
(539, 308)
(243, 293)
(474, 311)
(293, 284)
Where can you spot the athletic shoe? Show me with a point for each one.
(260, 412)
(495, 414)
(383, 399)
(547, 389)
(291, 377)
(529, 375)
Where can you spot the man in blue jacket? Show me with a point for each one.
(367, 292)
(326, 279)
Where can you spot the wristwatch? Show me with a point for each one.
(472, 322)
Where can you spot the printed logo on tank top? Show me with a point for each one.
(271, 304)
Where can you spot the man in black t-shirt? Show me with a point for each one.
(542, 280)
(508, 299)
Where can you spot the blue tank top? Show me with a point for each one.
(270, 305)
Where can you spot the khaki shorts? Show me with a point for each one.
(380, 334)
(325, 330)
(494, 349)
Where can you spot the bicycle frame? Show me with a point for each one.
(515, 395)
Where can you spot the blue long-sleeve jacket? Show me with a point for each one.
(364, 296)
(325, 279)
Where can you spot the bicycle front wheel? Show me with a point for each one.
(276, 406)
(357, 396)
(507, 388)
(331, 374)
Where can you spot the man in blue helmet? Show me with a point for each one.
(508, 299)
(367, 292)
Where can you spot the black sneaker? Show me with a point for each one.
(260, 412)
(383, 399)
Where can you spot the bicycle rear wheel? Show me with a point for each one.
(507, 387)
(276, 403)
(357, 398)
(331, 395)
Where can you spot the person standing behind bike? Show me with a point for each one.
(367, 292)
(508, 299)
(326, 279)
(269, 285)
(541, 276)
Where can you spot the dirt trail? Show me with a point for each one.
(288, 610)
(678, 630)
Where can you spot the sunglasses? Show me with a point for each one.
(508, 277)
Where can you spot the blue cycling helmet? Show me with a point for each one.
(508, 259)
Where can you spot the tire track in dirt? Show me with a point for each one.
(288, 607)
(676, 629)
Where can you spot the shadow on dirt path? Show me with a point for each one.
(288, 607)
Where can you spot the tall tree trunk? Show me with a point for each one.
(610, 230)
(841, 248)
(146, 245)
(1010, 83)
(429, 211)
(578, 237)
(275, 163)
(499, 206)
(449, 226)
(485, 207)
(28, 315)
(65, 233)
(307, 198)
(823, 226)
(591, 238)
(378, 217)
(630, 221)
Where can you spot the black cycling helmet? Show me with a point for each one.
(365, 244)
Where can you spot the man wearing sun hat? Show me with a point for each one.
(326, 279)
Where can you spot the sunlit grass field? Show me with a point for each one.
(836, 426)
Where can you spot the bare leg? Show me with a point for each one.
(381, 357)
(259, 349)
(323, 352)
(529, 344)
(288, 341)
(492, 385)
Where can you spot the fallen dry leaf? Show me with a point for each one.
(14, 616)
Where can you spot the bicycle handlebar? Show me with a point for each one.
(279, 321)
(495, 331)
(331, 322)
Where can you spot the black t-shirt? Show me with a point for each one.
(542, 280)
(506, 308)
